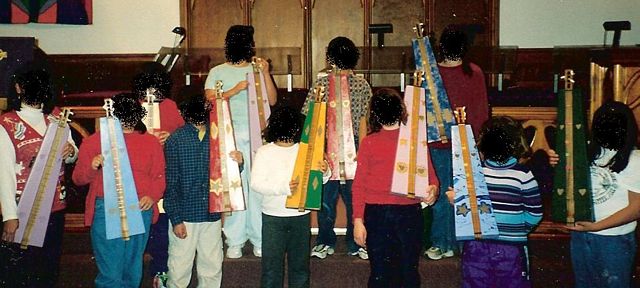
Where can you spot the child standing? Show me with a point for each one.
(195, 232)
(284, 231)
(603, 252)
(390, 226)
(22, 130)
(120, 262)
(517, 207)
(154, 79)
(239, 49)
(342, 53)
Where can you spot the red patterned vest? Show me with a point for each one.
(26, 143)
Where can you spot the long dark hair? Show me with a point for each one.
(614, 127)
(153, 75)
(238, 44)
(385, 108)
(342, 53)
(285, 124)
(36, 87)
(454, 45)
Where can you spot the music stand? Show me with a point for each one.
(168, 56)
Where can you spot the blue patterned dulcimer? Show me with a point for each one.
(439, 114)
(472, 206)
(410, 174)
(122, 211)
(35, 204)
(571, 200)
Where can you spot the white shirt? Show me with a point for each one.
(611, 190)
(35, 119)
(270, 176)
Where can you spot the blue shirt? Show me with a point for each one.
(186, 198)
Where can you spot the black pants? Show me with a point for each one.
(34, 266)
(285, 237)
(394, 242)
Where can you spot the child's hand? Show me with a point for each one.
(324, 166)
(359, 232)
(263, 64)
(180, 231)
(432, 195)
(68, 151)
(293, 185)
(236, 156)
(162, 136)
(451, 195)
(583, 226)
(97, 161)
(146, 203)
(554, 158)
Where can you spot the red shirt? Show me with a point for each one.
(147, 164)
(170, 118)
(468, 91)
(372, 183)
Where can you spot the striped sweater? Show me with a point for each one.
(515, 198)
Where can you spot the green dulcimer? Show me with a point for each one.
(571, 199)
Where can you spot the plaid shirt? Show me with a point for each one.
(187, 195)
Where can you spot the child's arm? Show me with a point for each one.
(624, 216)
(172, 195)
(532, 202)
(89, 161)
(357, 191)
(157, 176)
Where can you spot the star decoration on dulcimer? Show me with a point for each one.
(463, 210)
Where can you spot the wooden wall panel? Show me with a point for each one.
(279, 24)
(209, 21)
(465, 12)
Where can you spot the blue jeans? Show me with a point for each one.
(119, 262)
(443, 226)
(327, 214)
(602, 261)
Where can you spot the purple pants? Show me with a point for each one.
(493, 264)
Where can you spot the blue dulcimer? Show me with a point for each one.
(439, 114)
(122, 211)
(474, 217)
(35, 204)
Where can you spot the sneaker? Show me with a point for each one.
(257, 251)
(321, 251)
(434, 253)
(234, 252)
(362, 253)
(160, 280)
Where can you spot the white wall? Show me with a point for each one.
(119, 26)
(548, 23)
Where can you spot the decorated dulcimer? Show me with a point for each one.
(152, 119)
(439, 113)
(36, 201)
(225, 185)
(571, 200)
(341, 147)
(410, 175)
(259, 109)
(474, 217)
(122, 211)
(308, 168)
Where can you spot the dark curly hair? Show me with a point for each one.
(502, 138)
(127, 108)
(195, 110)
(385, 108)
(342, 53)
(36, 87)
(285, 125)
(239, 45)
(614, 127)
(153, 75)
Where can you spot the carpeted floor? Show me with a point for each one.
(550, 267)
